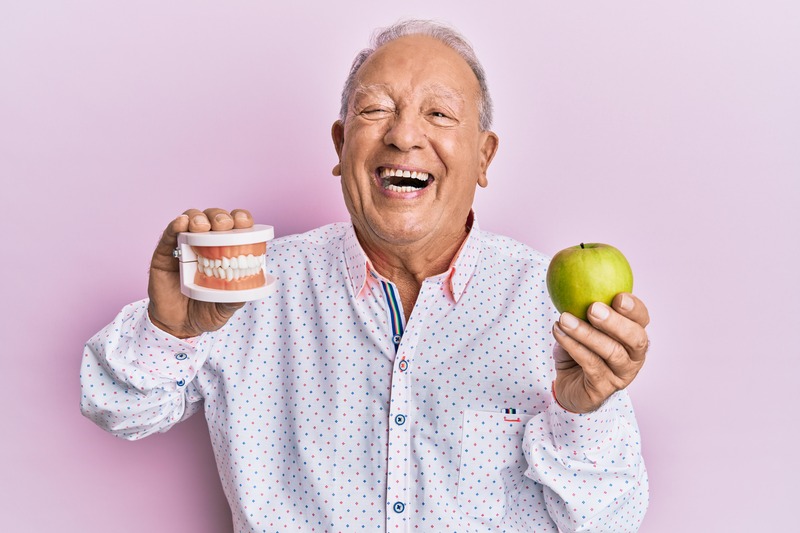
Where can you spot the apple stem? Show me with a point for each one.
(582, 246)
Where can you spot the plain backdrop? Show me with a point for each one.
(670, 129)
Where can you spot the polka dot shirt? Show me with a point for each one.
(328, 412)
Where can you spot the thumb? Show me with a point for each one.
(162, 255)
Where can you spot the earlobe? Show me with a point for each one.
(487, 152)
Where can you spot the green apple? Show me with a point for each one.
(580, 275)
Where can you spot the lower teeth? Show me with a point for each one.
(402, 188)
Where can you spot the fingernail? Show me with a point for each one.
(200, 220)
(220, 217)
(626, 303)
(558, 331)
(599, 311)
(569, 321)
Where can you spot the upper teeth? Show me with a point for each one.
(231, 268)
(397, 173)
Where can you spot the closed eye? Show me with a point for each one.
(442, 118)
(375, 111)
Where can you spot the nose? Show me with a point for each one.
(406, 132)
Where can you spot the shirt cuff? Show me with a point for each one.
(158, 358)
(583, 434)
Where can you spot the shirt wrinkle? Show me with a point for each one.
(326, 416)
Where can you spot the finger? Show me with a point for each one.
(205, 316)
(631, 307)
(622, 329)
(162, 256)
(242, 218)
(594, 341)
(220, 219)
(198, 221)
(226, 310)
(561, 356)
(595, 368)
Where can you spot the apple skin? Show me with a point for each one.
(587, 273)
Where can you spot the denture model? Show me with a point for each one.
(225, 266)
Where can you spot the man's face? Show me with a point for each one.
(414, 111)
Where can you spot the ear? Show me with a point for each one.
(489, 143)
(337, 134)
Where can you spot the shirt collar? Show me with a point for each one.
(466, 260)
(357, 263)
(359, 267)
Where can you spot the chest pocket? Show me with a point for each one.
(491, 474)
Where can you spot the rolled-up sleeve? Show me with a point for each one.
(590, 465)
(137, 379)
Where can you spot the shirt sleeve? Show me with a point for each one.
(136, 379)
(590, 466)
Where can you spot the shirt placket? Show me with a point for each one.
(398, 496)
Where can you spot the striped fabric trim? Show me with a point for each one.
(395, 316)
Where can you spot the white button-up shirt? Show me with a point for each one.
(328, 412)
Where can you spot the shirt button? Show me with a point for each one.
(181, 382)
(399, 507)
(403, 366)
(400, 420)
(397, 338)
(181, 356)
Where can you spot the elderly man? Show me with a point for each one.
(404, 375)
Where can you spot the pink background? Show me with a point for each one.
(668, 128)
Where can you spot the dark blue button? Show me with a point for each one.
(400, 420)
(181, 356)
(399, 507)
(397, 338)
(181, 382)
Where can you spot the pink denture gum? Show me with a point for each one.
(225, 266)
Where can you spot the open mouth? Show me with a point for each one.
(397, 180)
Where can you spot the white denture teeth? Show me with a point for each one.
(232, 268)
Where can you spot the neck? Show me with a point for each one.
(408, 265)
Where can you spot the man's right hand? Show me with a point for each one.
(169, 309)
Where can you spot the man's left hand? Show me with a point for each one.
(596, 359)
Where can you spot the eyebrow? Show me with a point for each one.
(434, 89)
(362, 89)
(443, 91)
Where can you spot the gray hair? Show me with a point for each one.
(438, 31)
